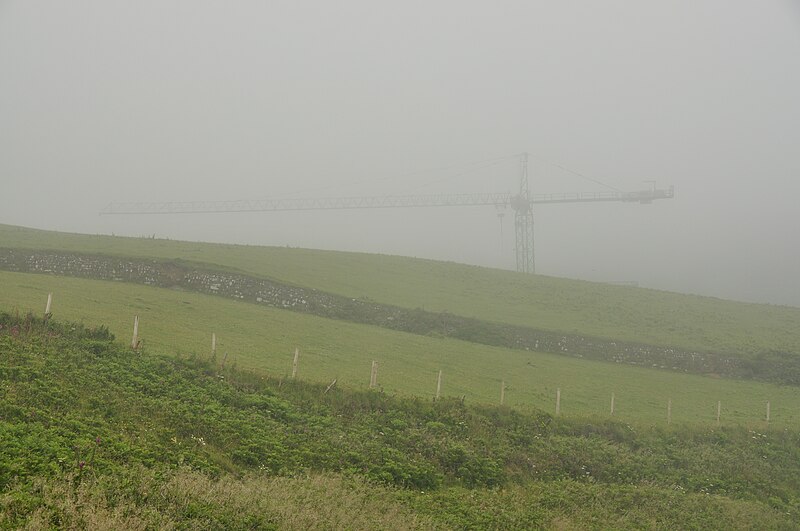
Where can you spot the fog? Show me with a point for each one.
(105, 101)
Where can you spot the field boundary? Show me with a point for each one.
(774, 367)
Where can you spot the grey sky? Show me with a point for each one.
(154, 100)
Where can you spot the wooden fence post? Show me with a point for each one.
(373, 378)
(47, 312)
(669, 411)
(439, 386)
(295, 362)
(213, 344)
(719, 410)
(767, 411)
(612, 404)
(558, 401)
(330, 386)
(135, 339)
(502, 392)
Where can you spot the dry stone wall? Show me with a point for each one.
(770, 366)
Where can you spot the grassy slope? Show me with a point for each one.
(264, 338)
(96, 437)
(615, 312)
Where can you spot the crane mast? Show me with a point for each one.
(523, 222)
(521, 203)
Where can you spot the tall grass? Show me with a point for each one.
(186, 499)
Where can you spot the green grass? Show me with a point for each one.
(95, 436)
(614, 312)
(174, 322)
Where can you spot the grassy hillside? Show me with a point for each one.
(174, 322)
(614, 312)
(97, 436)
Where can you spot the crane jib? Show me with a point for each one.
(522, 204)
(516, 202)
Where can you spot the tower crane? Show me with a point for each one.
(521, 203)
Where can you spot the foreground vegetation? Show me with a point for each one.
(96, 435)
(174, 322)
(592, 309)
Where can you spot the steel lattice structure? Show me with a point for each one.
(522, 204)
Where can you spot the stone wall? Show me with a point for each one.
(274, 294)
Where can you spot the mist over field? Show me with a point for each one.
(264, 265)
(105, 101)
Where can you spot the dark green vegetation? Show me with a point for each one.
(96, 435)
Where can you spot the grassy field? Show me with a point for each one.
(174, 322)
(614, 312)
(97, 437)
